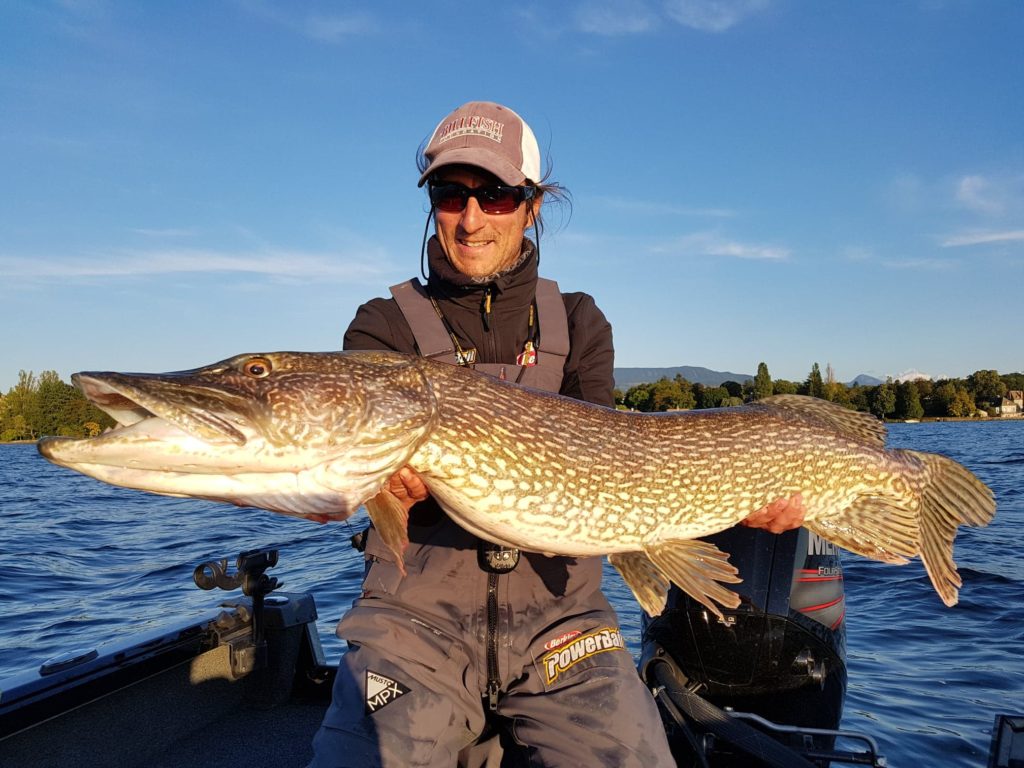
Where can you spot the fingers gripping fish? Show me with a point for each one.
(320, 433)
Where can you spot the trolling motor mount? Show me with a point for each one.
(250, 575)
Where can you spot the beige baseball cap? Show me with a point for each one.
(488, 136)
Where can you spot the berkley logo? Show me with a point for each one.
(561, 639)
(470, 126)
(381, 691)
(563, 659)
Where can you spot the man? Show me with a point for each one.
(477, 640)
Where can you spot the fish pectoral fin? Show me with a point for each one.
(878, 527)
(391, 519)
(698, 568)
(649, 585)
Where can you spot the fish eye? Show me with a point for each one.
(257, 367)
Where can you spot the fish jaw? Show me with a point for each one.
(301, 443)
(154, 456)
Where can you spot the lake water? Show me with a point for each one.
(82, 562)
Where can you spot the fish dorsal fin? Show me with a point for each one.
(857, 424)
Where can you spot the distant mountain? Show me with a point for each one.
(863, 380)
(911, 375)
(630, 377)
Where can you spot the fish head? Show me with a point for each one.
(296, 432)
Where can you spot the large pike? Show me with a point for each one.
(307, 434)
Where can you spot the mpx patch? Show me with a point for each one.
(381, 691)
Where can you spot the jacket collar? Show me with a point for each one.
(516, 287)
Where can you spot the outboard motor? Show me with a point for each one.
(780, 655)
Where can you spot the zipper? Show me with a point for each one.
(493, 680)
(485, 313)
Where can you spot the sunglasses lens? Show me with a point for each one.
(498, 199)
(452, 198)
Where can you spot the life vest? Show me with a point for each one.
(434, 341)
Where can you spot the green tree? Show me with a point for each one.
(734, 388)
(638, 397)
(762, 383)
(686, 399)
(884, 401)
(859, 397)
(951, 398)
(832, 390)
(55, 404)
(963, 404)
(986, 387)
(1013, 381)
(713, 397)
(908, 401)
(814, 386)
(663, 395)
(21, 409)
(784, 387)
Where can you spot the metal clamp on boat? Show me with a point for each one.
(250, 575)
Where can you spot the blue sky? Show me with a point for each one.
(753, 180)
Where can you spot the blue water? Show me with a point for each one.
(82, 562)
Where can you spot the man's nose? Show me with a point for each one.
(473, 217)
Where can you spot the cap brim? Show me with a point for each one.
(503, 169)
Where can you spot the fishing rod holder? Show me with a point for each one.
(249, 574)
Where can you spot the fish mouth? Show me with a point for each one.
(154, 407)
(197, 410)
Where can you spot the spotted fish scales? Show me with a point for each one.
(321, 433)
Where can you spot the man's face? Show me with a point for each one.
(479, 244)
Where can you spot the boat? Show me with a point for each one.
(247, 684)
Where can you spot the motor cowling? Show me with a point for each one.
(781, 653)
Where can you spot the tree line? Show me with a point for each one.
(978, 394)
(46, 405)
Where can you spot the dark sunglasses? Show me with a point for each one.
(494, 198)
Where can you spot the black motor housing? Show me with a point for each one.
(781, 653)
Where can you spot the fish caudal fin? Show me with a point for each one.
(391, 519)
(952, 496)
(892, 528)
(697, 567)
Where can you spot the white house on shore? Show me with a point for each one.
(1013, 404)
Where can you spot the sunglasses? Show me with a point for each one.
(494, 198)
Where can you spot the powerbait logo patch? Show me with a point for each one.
(381, 691)
(471, 126)
(565, 657)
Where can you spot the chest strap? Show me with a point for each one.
(433, 340)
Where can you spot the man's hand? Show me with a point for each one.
(781, 515)
(408, 487)
(405, 485)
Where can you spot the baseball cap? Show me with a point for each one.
(488, 136)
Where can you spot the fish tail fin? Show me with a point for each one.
(391, 519)
(697, 567)
(952, 496)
